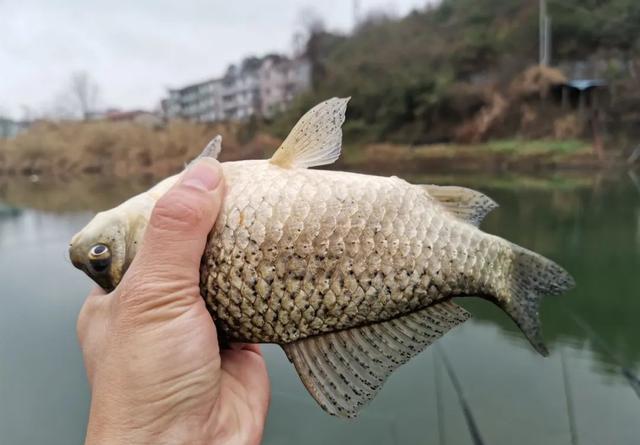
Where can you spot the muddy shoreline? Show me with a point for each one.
(383, 159)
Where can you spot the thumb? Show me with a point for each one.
(169, 258)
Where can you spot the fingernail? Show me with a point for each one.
(204, 174)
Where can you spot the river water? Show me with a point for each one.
(480, 384)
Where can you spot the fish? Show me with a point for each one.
(352, 275)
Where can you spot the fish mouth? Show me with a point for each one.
(104, 281)
(75, 257)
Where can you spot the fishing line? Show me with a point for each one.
(628, 374)
(569, 400)
(476, 437)
(439, 401)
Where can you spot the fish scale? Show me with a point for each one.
(288, 235)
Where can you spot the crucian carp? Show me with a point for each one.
(353, 275)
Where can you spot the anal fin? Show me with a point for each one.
(344, 370)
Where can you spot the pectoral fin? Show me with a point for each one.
(344, 370)
(316, 139)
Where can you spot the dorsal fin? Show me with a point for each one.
(213, 148)
(468, 205)
(316, 139)
(344, 370)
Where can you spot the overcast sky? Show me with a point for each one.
(135, 49)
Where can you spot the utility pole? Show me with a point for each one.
(356, 13)
(545, 34)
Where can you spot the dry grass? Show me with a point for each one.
(536, 81)
(67, 150)
(119, 148)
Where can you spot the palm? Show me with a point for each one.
(151, 348)
(178, 348)
(243, 387)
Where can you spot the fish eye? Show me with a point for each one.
(99, 258)
(99, 251)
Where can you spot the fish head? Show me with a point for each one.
(105, 247)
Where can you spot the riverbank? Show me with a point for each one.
(123, 149)
(519, 156)
(92, 192)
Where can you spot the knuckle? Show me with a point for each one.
(137, 286)
(142, 302)
(177, 211)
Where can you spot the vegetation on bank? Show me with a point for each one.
(120, 148)
(427, 77)
(525, 156)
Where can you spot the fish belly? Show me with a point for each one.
(296, 253)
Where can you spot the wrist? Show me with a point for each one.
(112, 424)
(106, 433)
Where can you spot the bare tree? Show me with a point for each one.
(309, 41)
(379, 15)
(61, 108)
(311, 22)
(83, 91)
(299, 43)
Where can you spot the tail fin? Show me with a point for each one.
(532, 277)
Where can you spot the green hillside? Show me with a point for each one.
(415, 79)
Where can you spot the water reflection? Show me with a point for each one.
(638, 230)
(584, 393)
(43, 392)
(58, 195)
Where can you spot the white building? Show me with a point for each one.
(10, 128)
(241, 90)
(281, 80)
(255, 87)
(199, 102)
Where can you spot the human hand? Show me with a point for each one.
(150, 347)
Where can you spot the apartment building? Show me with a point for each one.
(241, 90)
(281, 80)
(257, 86)
(199, 102)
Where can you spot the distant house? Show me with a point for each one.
(255, 87)
(584, 94)
(10, 128)
(140, 117)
